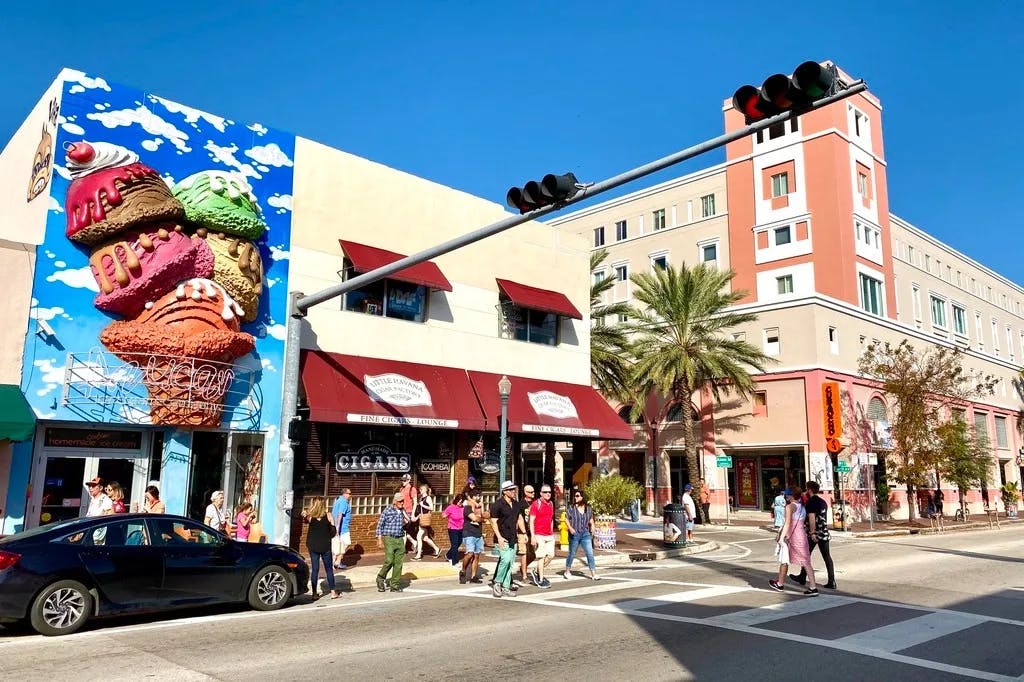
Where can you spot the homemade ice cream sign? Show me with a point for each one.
(179, 265)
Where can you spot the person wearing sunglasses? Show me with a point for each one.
(542, 525)
(579, 516)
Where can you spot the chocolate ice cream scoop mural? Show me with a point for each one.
(182, 267)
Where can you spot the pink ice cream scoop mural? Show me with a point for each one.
(180, 266)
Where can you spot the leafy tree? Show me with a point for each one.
(681, 340)
(609, 363)
(964, 456)
(923, 387)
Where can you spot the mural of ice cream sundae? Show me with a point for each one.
(182, 267)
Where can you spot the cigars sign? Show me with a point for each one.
(377, 459)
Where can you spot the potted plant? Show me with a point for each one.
(1011, 496)
(609, 496)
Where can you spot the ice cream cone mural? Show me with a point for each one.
(183, 268)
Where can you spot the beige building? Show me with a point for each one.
(800, 212)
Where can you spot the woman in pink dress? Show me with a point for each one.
(793, 546)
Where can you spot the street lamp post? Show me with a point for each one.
(504, 390)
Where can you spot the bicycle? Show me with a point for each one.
(963, 514)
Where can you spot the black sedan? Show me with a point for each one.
(59, 576)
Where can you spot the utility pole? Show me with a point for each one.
(300, 303)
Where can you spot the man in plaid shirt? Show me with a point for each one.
(391, 537)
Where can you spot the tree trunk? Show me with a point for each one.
(911, 502)
(688, 442)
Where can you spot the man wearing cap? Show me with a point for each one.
(542, 533)
(408, 492)
(504, 521)
(99, 503)
(691, 510)
(391, 537)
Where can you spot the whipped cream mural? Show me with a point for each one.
(164, 268)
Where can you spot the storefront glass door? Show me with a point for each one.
(63, 474)
(62, 490)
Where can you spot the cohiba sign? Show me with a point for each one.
(553, 405)
(371, 459)
(396, 389)
(832, 416)
(426, 466)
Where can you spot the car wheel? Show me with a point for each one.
(61, 608)
(271, 589)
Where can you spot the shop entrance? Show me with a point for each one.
(61, 480)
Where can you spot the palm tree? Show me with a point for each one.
(681, 342)
(609, 366)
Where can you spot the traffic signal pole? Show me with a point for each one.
(299, 303)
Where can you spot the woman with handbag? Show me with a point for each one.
(425, 533)
(318, 544)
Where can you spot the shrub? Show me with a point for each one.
(611, 494)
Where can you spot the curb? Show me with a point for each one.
(414, 574)
(958, 528)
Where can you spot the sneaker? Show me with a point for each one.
(462, 577)
(398, 588)
(417, 558)
(544, 584)
(341, 567)
(595, 576)
(812, 593)
(476, 580)
(566, 574)
(509, 593)
(831, 585)
(776, 585)
(797, 579)
(534, 577)
(515, 583)
(380, 584)
(497, 590)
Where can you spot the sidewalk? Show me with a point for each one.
(864, 529)
(634, 542)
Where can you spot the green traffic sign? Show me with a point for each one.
(724, 461)
(843, 468)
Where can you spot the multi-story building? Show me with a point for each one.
(801, 213)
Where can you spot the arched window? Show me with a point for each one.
(675, 413)
(624, 413)
(876, 410)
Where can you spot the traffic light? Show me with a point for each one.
(552, 189)
(810, 82)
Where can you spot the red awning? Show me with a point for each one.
(543, 300)
(353, 390)
(543, 408)
(366, 258)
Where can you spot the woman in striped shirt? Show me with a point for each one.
(580, 518)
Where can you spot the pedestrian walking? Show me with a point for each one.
(409, 500)
(691, 510)
(151, 503)
(817, 529)
(455, 520)
(938, 498)
(116, 494)
(705, 501)
(422, 516)
(99, 503)
(792, 543)
(391, 537)
(524, 545)
(214, 517)
(341, 512)
(472, 537)
(318, 544)
(244, 515)
(779, 508)
(579, 516)
(504, 522)
(542, 533)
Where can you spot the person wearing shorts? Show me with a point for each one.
(342, 513)
(542, 532)
(691, 510)
(472, 537)
(524, 548)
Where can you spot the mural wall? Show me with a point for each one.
(163, 272)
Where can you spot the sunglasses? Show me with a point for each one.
(545, 492)
(577, 495)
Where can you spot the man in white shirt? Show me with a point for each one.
(99, 504)
(691, 510)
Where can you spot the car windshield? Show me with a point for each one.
(26, 534)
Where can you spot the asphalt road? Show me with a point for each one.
(908, 608)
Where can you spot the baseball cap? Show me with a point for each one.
(687, 487)
(95, 481)
(507, 485)
(406, 477)
(396, 497)
(787, 491)
(470, 480)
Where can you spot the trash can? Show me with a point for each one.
(634, 510)
(674, 517)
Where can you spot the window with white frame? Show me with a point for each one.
(995, 337)
(979, 331)
(622, 272)
(739, 336)
(1001, 440)
(771, 341)
(871, 295)
(782, 235)
(780, 185)
(869, 234)
(910, 254)
(938, 307)
(959, 320)
(598, 237)
(860, 123)
(658, 218)
(709, 253)
(915, 293)
(833, 340)
(862, 184)
(707, 205)
(620, 230)
(784, 284)
(598, 276)
(659, 261)
(1009, 343)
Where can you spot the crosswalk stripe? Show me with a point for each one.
(908, 633)
(793, 607)
(594, 589)
(680, 597)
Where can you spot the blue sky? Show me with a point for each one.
(481, 96)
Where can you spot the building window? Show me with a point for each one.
(995, 337)
(871, 295)
(707, 205)
(780, 185)
(784, 284)
(833, 340)
(938, 307)
(659, 262)
(622, 272)
(389, 298)
(598, 237)
(862, 184)
(980, 425)
(776, 131)
(739, 336)
(659, 219)
(620, 230)
(859, 123)
(598, 276)
(910, 254)
(915, 292)
(709, 253)
(782, 235)
(959, 320)
(759, 404)
(623, 318)
(1001, 439)
(771, 341)
(979, 331)
(533, 326)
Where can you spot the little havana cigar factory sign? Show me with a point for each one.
(372, 459)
